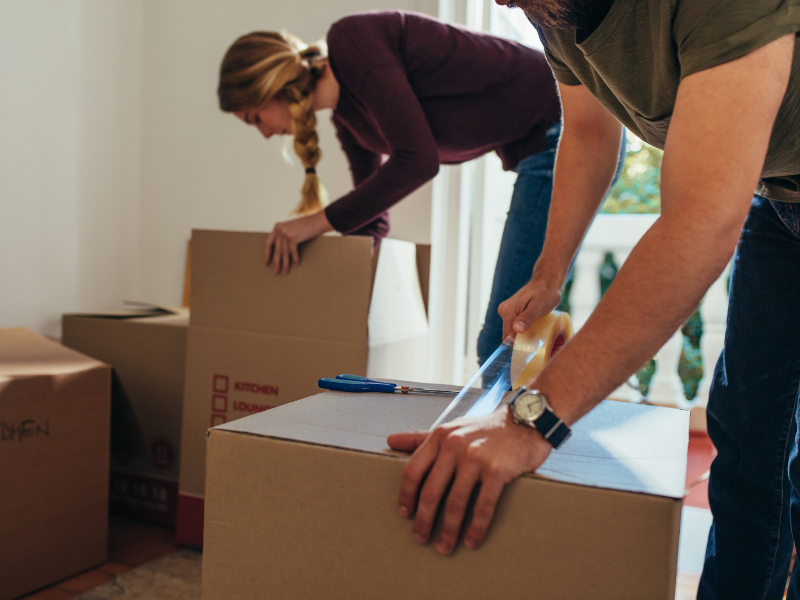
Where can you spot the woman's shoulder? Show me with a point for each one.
(362, 41)
(363, 31)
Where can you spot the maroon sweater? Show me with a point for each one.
(424, 93)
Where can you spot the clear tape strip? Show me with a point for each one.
(513, 361)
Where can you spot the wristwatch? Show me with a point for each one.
(530, 408)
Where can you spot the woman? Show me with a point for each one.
(408, 93)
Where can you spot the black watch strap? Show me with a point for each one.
(552, 428)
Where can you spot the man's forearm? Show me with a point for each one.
(661, 282)
(584, 170)
(705, 200)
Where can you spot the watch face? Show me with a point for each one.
(529, 406)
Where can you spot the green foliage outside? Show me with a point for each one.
(638, 189)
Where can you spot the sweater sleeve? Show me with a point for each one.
(413, 154)
(363, 162)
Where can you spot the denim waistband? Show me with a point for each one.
(552, 135)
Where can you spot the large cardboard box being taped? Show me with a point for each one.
(259, 340)
(301, 503)
(147, 351)
(54, 421)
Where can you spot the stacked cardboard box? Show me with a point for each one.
(147, 350)
(302, 503)
(258, 340)
(54, 423)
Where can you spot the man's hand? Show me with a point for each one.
(533, 300)
(491, 450)
(281, 247)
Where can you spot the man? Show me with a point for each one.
(715, 84)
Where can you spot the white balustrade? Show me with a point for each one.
(618, 234)
(714, 313)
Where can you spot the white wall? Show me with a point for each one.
(112, 147)
(204, 169)
(69, 152)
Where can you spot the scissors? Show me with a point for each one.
(356, 383)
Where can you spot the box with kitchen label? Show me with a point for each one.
(146, 349)
(54, 436)
(257, 340)
(301, 503)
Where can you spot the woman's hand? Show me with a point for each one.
(490, 450)
(533, 300)
(281, 248)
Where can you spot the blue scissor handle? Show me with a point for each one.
(348, 385)
(359, 378)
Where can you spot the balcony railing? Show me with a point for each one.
(618, 234)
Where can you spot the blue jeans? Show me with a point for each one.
(523, 235)
(753, 415)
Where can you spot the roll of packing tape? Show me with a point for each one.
(534, 348)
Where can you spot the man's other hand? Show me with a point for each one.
(491, 450)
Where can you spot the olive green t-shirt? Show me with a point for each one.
(635, 59)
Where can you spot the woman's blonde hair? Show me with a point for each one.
(265, 65)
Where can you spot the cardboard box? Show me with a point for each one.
(147, 351)
(258, 340)
(302, 504)
(54, 422)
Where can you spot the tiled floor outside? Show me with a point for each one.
(173, 574)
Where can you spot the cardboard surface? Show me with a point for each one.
(148, 355)
(54, 438)
(257, 340)
(301, 503)
(232, 289)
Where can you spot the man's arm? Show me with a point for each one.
(705, 197)
(713, 157)
(585, 164)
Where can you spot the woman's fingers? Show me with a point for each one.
(268, 248)
(285, 258)
(294, 253)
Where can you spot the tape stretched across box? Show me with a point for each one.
(302, 504)
(258, 340)
(147, 351)
(54, 415)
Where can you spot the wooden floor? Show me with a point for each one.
(130, 544)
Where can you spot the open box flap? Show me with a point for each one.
(232, 289)
(137, 310)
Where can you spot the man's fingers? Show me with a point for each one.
(491, 488)
(433, 490)
(467, 476)
(414, 472)
(408, 441)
